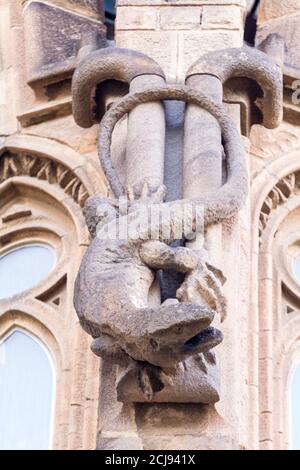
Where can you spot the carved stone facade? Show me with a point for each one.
(194, 339)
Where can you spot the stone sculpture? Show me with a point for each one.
(164, 352)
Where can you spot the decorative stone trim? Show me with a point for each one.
(278, 311)
(11, 164)
(282, 191)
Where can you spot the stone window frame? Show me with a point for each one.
(275, 341)
(76, 368)
(4, 336)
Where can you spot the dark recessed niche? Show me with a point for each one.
(110, 16)
(251, 23)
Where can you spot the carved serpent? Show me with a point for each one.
(111, 293)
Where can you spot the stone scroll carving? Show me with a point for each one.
(164, 352)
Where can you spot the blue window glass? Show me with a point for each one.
(26, 393)
(110, 7)
(24, 267)
(110, 15)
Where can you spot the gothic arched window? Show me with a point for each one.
(42, 240)
(26, 393)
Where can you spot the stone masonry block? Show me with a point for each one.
(180, 18)
(194, 44)
(137, 18)
(218, 17)
(8, 123)
(160, 45)
(276, 9)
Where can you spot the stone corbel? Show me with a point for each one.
(164, 351)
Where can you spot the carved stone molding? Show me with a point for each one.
(281, 192)
(40, 167)
(278, 294)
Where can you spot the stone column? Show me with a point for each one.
(145, 150)
(202, 163)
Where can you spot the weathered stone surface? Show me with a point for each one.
(126, 325)
(95, 6)
(197, 427)
(53, 38)
(145, 151)
(188, 46)
(65, 130)
(159, 45)
(215, 208)
(194, 381)
(180, 18)
(271, 9)
(159, 327)
(92, 8)
(288, 28)
(216, 17)
(248, 63)
(137, 18)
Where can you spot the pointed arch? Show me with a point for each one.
(274, 320)
(43, 187)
